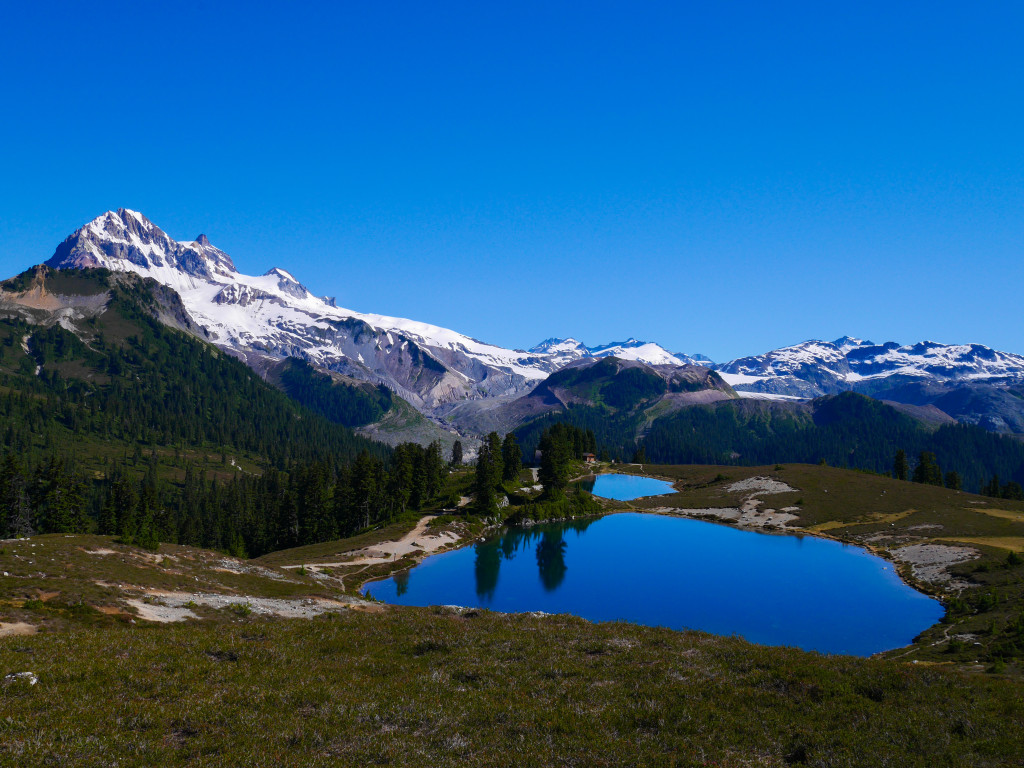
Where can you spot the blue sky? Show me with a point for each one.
(722, 178)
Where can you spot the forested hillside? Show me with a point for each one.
(846, 430)
(352, 403)
(126, 425)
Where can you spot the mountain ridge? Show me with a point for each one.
(271, 317)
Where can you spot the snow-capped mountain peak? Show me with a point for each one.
(634, 349)
(846, 343)
(567, 350)
(562, 351)
(273, 316)
(819, 367)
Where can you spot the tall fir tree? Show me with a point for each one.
(512, 458)
(900, 465)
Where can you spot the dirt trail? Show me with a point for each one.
(416, 541)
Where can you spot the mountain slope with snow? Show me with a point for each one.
(845, 363)
(565, 351)
(275, 316)
(971, 383)
(269, 317)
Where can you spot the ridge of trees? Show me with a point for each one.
(847, 430)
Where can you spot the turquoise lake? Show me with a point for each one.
(801, 591)
(626, 487)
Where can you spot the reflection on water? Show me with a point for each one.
(663, 571)
(548, 542)
(402, 582)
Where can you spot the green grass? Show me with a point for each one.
(407, 686)
(416, 687)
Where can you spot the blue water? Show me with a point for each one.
(626, 487)
(804, 591)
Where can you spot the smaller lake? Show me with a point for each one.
(812, 593)
(626, 487)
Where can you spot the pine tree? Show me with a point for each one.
(953, 481)
(495, 460)
(554, 463)
(512, 458)
(457, 454)
(433, 469)
(14, 501)
(927, 470)
(483, 482)
(900, 465)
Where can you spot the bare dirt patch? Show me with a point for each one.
(417, 541)
(931, 562)
(161, 612)
(17, 629)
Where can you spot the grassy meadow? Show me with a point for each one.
(369, 684)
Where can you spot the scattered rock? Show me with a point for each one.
(27, 677)
(760, 485)
(176, 606)
(931, 562)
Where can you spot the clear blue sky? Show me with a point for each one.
(722, 178)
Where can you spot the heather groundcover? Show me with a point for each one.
(447, 687)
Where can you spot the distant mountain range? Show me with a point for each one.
(268, 318)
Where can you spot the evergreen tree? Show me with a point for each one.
(512, 458)
(496, 464)
(15, 510)
(433, 469)
(992, 489)
(483, 482)
(927, 470)
(1013, 491)
(457, 454)
(953, 481)
(900, 465)
(554, 462)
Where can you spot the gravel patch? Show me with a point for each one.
(931, 562)
(176, 606)
(760, 485)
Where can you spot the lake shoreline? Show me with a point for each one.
(433, 591)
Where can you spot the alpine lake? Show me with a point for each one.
(658, 570)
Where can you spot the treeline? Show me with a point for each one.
(928, 471)
(248, 515)
(848, 430)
